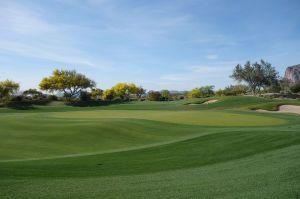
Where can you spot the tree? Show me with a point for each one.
(207, 91)
(69, 82)
(33, 93)
(154, 96)
(295, 88)
(233, 90)
(96, 93)
(7, 89)
(124, 90)
(109, 94)
(165, 95)
(204, 91)
(140, 92)
(284, 85)
(84, 96)
(256, 75)
(194, 93)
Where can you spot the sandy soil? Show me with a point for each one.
(206, 102)
(289, 109)
(284, 109)
(210, 102)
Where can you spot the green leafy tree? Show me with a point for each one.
(257, 75)
(154, 96)
(284, 85)
(165, 95)
(295, 88)
(84, 96)
(69, 82)
(207, 91)
(33, 93)
(233, 90)
(7, 89)
(140, 92)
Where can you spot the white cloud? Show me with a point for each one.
(53, 54)
(26, 33)
(20, 19)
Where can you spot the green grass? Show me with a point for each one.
(150, 150)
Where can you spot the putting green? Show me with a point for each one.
(205, 118)
(46, 135)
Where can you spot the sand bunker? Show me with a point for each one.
(210, 101)
(284, 109)
(289, 109)
(206, 102)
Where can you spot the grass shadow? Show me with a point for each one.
(25, 105)
(95, 103)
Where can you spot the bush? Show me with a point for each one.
(165, 95)
(233, 90)
(295, 88)
(204, 91)
(84, 96)
(17, 98)
(154, 96)
(195, 93)
(52, 97)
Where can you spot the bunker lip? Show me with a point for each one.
(283, 109)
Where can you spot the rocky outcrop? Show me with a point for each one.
(292, 73)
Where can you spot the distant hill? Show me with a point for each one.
(292, 73)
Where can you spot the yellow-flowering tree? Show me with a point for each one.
(7, 89)
(124, 90)
(108, 94)
(96, 93)
(69, 82)
(194, 93)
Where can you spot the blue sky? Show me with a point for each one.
(158, 44)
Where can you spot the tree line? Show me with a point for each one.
(253, 78)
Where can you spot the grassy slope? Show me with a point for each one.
(208, 162)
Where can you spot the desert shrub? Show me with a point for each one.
(52, 97)
(233, 90)
(154, 96)
(204, 91)
(295, 88)
(84, 96)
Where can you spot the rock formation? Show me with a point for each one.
(292, 73)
